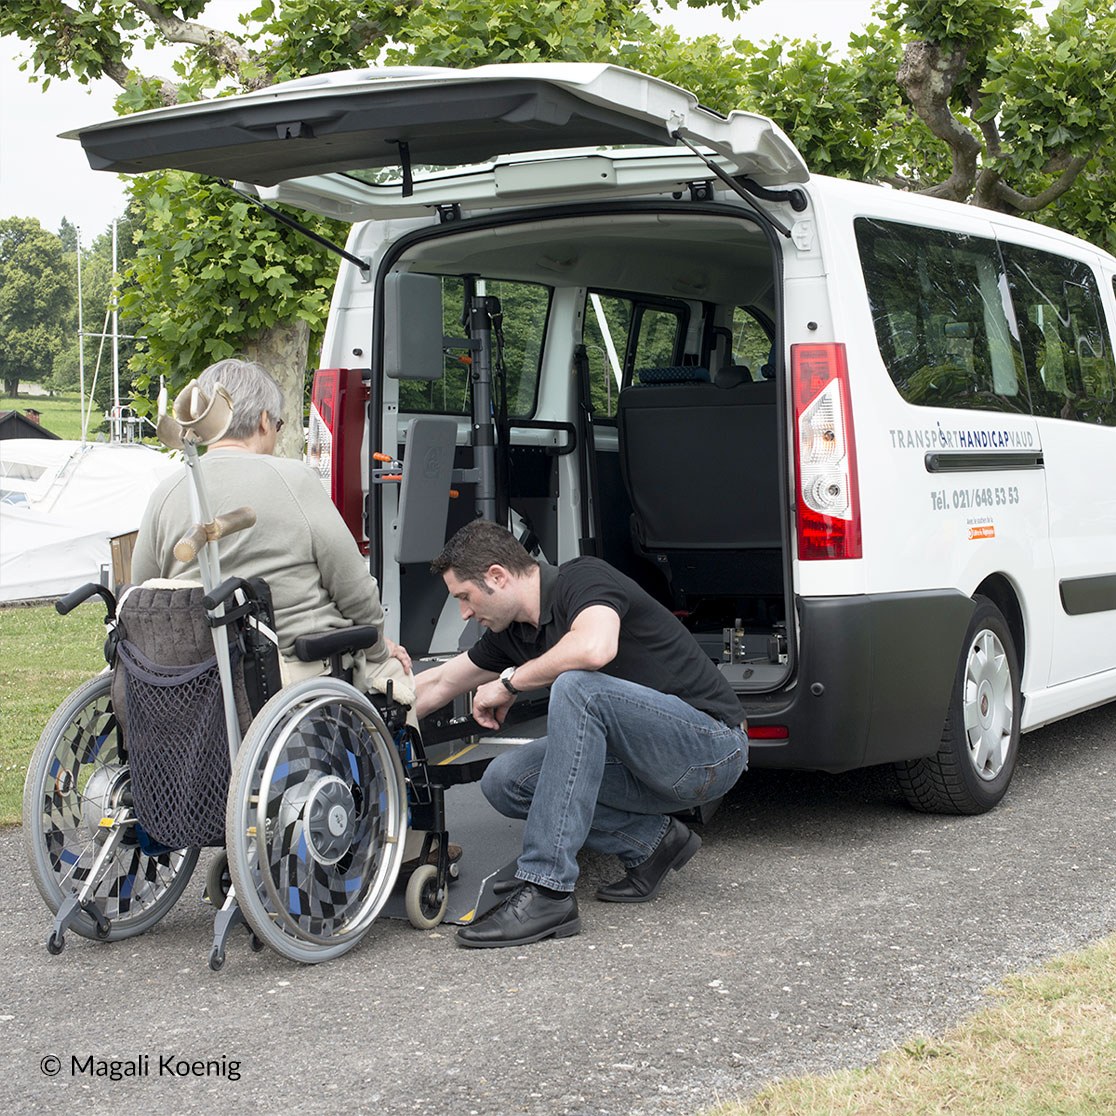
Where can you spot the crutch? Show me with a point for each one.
(200, 420)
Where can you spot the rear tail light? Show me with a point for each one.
(338, 409)
(827, 493)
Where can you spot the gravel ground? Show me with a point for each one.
(821, 924)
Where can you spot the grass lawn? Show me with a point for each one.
(1046, 1047)
(61, 413)
(43, 657)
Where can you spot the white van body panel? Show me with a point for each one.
(969, 488)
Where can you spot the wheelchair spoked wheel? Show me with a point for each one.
(77, 777)
(316, 820)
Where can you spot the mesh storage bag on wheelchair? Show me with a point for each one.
(168, 688)
(178, 750)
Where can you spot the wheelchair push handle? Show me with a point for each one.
(71, 600)
(224, 592)
(187, 547)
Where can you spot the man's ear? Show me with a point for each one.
(497, 576)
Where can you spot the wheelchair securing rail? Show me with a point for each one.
(190, 741)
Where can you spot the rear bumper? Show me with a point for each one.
(872, 684)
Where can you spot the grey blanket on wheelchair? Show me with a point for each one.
(166, 691)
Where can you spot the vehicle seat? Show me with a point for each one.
(700, 463)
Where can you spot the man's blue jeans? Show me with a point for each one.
(617, 758)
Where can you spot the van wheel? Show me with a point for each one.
(971, 770)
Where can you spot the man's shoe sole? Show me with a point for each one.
(685, 855)
(565, 930)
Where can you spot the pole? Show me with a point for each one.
(81, 344)
(116, 431)
(209, 565)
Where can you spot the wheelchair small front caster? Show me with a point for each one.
(254, 943)
(216, 959)
(56, 943)
(218, 880)
(104, 926)
(424, 908)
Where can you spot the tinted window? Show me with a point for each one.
(938, 306)
(623, 333)
(751, 345)
(1065, 343)
(524, 307)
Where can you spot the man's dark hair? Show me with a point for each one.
(478, 545)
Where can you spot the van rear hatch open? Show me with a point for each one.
(357, 124)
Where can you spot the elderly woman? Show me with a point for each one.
(299, 544)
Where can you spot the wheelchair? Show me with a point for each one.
(312, 823)
(189, 741)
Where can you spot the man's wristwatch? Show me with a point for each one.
(506, 678)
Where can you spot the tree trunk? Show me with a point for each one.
(284, 350)
(11, 386)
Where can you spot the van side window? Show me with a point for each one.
(525, 307)
(751, 344)
(937, 302)
(625, 332)
(1061, 324)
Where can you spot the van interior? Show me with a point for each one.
(647, 333)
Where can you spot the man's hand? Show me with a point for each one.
(491, 703)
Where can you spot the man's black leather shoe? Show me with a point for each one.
(642, 882)
(527, 915)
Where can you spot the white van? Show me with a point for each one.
(860, 441)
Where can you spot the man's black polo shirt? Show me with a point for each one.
(654, 650)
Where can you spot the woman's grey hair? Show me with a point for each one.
(253, 390)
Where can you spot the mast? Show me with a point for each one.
(81, 343)
(117, 433)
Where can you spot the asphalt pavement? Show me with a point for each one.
(821, 923)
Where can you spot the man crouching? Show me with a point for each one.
(641, 725)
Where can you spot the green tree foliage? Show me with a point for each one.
(35, 300)
(968, 99)
(222, 272)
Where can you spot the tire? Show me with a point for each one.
(970, 772)
(421, 898)
(77, 774)
(218, 880)
(316, 820)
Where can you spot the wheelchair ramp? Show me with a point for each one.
(490, 842)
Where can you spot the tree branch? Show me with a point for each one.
(988, 128)
(1024, 203)
(928, 76)
(222, 48)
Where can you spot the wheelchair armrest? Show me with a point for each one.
(322, 645)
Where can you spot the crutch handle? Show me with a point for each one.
(187, 547)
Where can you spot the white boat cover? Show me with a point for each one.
(61, 502)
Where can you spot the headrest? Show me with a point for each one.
(731, 375)
(673, 374)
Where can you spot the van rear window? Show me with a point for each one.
(525, 307)
(938, 305)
